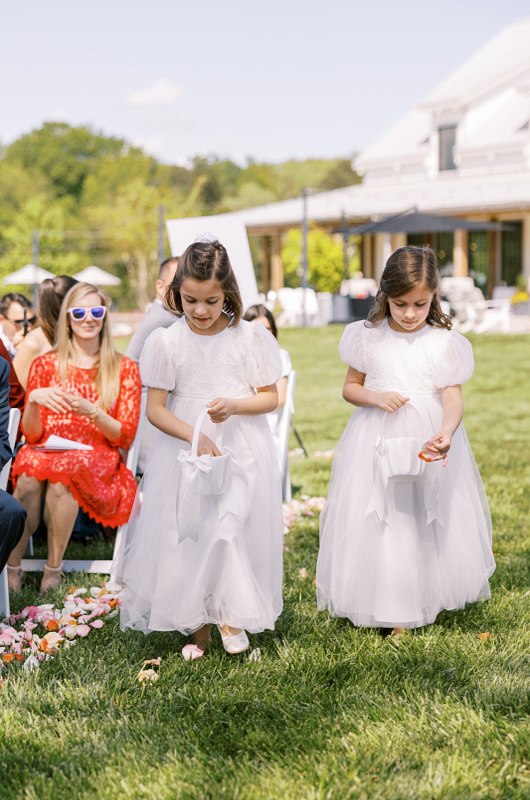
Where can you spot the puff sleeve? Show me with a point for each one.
(264, 365)
(456, 362)
(352, 346)
(157, 369)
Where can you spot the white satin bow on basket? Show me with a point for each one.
(204, 488)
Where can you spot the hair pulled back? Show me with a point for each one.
(407, 268)
(52, 292)
(203, 261)
(259, 310)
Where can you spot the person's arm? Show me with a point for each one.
(281, 387)
(163, 419)
(29, 349)
(119, 428)
(453, 409)
(104, 422)
(354, 392)
(265, 400)
(53, 398)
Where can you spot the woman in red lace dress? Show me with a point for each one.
(86, 391)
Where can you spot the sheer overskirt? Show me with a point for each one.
(233, 573)
(432, 549)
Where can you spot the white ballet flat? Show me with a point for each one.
(235, 642)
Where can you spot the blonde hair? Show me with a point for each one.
(108, 377)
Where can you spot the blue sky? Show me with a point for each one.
(270, 80)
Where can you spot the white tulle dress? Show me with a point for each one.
(394, 553)
(232, 574)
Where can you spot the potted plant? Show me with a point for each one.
(520, 300)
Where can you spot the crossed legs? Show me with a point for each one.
(60, 512)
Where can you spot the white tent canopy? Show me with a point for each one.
(97, 276)
(30, 273)
(231, 233)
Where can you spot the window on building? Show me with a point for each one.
(446, 143)
(441, 243)
(512, 253)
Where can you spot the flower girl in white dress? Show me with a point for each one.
(190, 561)
(403, 538)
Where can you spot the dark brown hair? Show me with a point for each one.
(407, 268)
(51, 294)
(259, 310)
(203, 261)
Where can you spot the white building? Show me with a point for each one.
(464, 151)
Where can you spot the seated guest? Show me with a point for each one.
(12, 514)
(16, 319)
(261, 314)
(41, 338)
(158, 314)
(16, 392)
(83, 390)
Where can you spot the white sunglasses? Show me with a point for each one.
(79, 313)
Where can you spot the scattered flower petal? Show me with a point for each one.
(35, 634)
(152, 662)
(147, 675)
(255, 655)
(302, 573)
(484, 636)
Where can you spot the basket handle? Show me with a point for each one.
(197, 432)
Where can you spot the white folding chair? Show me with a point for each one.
(14, 419)
(102, 566)
(282, 436)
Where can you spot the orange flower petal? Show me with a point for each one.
(52, 625)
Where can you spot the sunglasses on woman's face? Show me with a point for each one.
(79, 313)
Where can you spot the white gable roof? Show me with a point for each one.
(487, 99)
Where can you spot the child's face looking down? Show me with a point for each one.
(409, 311)
(202, 302)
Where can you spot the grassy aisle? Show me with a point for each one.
(329, 711)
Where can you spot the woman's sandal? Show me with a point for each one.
(52, 578)
(234, 643)
(15, 578)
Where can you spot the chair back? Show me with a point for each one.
(12, 430)
(282, 435)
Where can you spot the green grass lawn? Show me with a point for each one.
(329, 711)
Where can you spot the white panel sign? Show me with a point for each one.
(231, 233)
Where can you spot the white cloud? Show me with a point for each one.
(161, 92)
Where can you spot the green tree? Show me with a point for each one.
(50, 221)
(64, 155)
(325, 260)
(129, 224)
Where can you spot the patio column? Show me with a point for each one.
(526, 246)
(398, 240)
(460, 257)
(266, 260)
(366, 259)
(383, 248)
(276, 262)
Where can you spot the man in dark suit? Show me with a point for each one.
(12, 515)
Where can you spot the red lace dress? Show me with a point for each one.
(98, 478)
